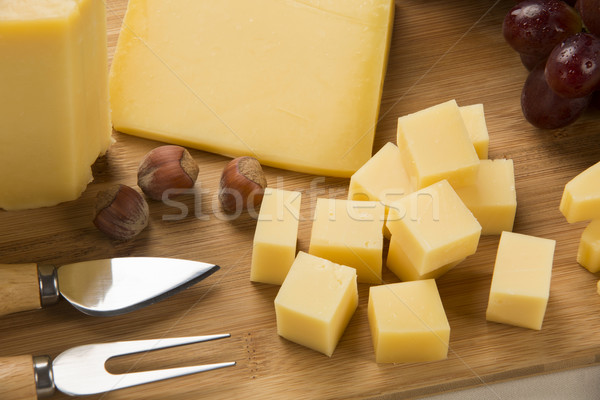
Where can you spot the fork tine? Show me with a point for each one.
(140, 378)
(81, 370)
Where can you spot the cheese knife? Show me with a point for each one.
(105, 287)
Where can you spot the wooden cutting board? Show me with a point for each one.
(440, 50)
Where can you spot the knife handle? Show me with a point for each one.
(17, 378)
(19, 288)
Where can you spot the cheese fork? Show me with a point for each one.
(81, 370)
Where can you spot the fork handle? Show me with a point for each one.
(20, 289)
(17, 378)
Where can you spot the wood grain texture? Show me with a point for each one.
(17, 381)
(20, 289)
(440, 50)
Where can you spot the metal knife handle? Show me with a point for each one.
(17, 378)
(19, 289)
(48, 279)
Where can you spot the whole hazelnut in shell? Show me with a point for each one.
(121, 212)
(242, 184)
(166, 167)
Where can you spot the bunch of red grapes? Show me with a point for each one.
(559, 43)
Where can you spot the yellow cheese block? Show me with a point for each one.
(408, 322)
(383, 178)
(274, 246)
(581, 196)
(588, 253)
(493, 198)
(403, 268)
(433, 227)
(53, 99)
(350, 233)
(296, 84)
(315, 302)
(521, 280)
(436, 145)
(474, 118)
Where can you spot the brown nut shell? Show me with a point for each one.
(166, 167)
(242, 184)
(121, 212)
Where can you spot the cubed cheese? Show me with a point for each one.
(403, 268)
(350, 233)
(581, 196)
(435, 145)
(433, 227)
(274, 246)
(474, 119)
(521, 280)
(54, 112)
(408, 322)
(316, 302)
(493, 198)
(383, 178)
(588, 253)
(296, 84)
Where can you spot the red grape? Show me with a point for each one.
(573, 67)
(535, 26)
(590, 14)
(545, 109)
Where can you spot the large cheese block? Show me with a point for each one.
(54, 111)
(296, 84)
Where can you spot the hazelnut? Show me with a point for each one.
(121, 212)
(166, 167)
(242, 184)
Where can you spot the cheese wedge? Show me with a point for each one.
(581, 196)
(54, 111)
(474, 118)
(296, 84)
(588, 253)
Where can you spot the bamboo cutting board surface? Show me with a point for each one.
(440, 50)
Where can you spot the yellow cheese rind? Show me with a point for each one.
(408, 322)
(435, 145)
(588, 253)
(403, 268)
(315, 302)
(54, 100)
(581, 198)
(493, 198)
(275, 237)
(434, 227)
(248, 78)
(474, 118)
(521, 281)
(350, 233)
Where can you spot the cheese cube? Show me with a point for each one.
(316, 302)
(54, 108)
(435, 145)
(383, 178)
(521, 280)
(492, 199)
(296, 84)
(588, 253)
(350, 233)
(474, 119)
(408, 322)
(581, 196)
(400, 265)
(433, 227)
(274, 246)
